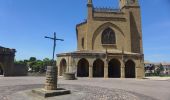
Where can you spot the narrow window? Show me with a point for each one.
(82, 43)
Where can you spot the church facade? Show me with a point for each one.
(109, 44)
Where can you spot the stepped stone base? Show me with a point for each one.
(51, 93)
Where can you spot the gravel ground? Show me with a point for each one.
(78, 93)
(6, 91)
(16, 88)
(98, 93)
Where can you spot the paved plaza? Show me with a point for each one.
(12, 88)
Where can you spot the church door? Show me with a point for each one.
(114, 69)
(83, 68)
(98, 68)
(130, 69)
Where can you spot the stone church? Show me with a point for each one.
(109, 44)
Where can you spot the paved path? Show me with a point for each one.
(159, 90)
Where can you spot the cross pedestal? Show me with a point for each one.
(51, 89)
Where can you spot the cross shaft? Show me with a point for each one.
(54, 46)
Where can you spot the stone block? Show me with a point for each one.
(50, 93)
(69, 76)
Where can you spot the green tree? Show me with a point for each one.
(47, 62)
(32, 59)
(20, 62)
(31, 63)
(37, 66)
(159, 69)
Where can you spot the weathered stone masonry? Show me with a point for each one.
(7, 61)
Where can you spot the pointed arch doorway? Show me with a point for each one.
(98, 68)
(83, 68)
(114, 68)
(130, 69)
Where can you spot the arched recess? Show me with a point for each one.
(98, 68)
(1, 69)
(83, 68)
(114, 68)
(102, 27)
(130, 69)
(63, 67)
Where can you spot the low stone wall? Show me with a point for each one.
(20, 70)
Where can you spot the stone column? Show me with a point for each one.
(90, 71)
(136, 70)
(139, 72)
(58, 69)
(122, 70)
(106, 70)
(139, 69)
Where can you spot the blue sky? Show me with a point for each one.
(24, 23)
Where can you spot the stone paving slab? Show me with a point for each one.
(51, 93)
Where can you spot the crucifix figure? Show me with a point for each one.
(54, 39)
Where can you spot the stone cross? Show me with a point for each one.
(50, 88)
(54, 39)
(51, 73)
